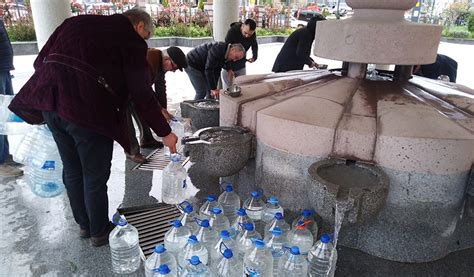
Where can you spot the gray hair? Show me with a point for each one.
(237, 46)
(137, 15)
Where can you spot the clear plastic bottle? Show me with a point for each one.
(188, 217)
(27, 148)
(254, 208)
(158, 258)
(276, 243)
(229, 201)
(227, 265)
(124, 248)
(174, 181)
(259, 261)
(178, 129)
(292, 264)
(300, 236)
(319, 258)
(176, 237)
(244, 241)
(224, 240)
(271, 208)
(278, 221)
(163, 270)
(236, 225)
(193, 248)
(307, 216)
(205, 234)
(205, 210)
(195, 268)
(218, 221)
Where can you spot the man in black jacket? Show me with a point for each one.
(443, 65)
(243, 33)
(296, 51)
(205, 63)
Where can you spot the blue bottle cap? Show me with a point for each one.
(164, 269)
(204, 223)
(273, 200)
(216, 210)
(248, 226)
(225, 234)
(159, 249)
(175, 157)
(295, 250)
(194, 260)
(277, 231)
(325, 238)
(241, 212)
(211, 198)
(192, 239)
(176, 223)
(186, 207)
(229, 188)
(228, 254)
(306, 212)
(255, 194)
(259, 243)
(278, 216)
(122, 221)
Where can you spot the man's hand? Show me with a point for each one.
(166, 114)
(314, 65)
(230, 76)
(215, 93)
(170, 142)
(251, 60)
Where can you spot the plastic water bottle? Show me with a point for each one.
(292, 264)
(218, 220)
(244, 241)
(178, 129)
(308, 218)
(227, 265)
(124, 248)
(301, 237)
(205, 210)
(188, 217)
(319, 258)
(271, 208)
(195, 268)
(205, 234)
(259, 261)
(278, 221)
(160, 257)
(174, 181)
(176, 237)
(224, 240)
(236, 226)
(254, 208)
(229, 201)
(193, 248)
(276, 243)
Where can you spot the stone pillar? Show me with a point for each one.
(225, 12)
(47, 16)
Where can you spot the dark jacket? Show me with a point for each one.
(234, 35)
(443, 65)
(209, 58)
(111, 47)
(6, 51)
(296, 51)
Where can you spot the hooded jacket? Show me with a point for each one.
(234, 35)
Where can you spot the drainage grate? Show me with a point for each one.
(152, 222)
(156, 160)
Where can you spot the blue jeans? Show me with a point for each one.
(7, 89)
(198, 80)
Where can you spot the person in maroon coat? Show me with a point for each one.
(86, 74)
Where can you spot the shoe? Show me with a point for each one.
(137, 158)
(104, 239)
(84, 233)
(151, 144)
(9, 160)
(7, 170)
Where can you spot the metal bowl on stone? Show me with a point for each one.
(203, 113)
(223, 151)
(233, 91)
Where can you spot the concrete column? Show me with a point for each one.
(47, 16)
(224, 12)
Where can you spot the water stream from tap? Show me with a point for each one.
(341, 209)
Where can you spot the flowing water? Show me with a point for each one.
(341, 208)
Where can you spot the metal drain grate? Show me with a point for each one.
(156, 160)
(152, 222)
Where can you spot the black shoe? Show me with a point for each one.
(9, 160)
(103, 239)
(84, 233)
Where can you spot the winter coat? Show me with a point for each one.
(6, 50)
(209, 58)
(234, 35)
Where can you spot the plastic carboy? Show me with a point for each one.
(236, 225)
(205, 234)
(188, 216)
(244, 241)
(193, 248)
(319, 258)
(278, 221)
(307, 216)
(224, 240)
(271, 208)
(178, 129)
(124, 248)
(195, 268)
(276, 243)
(158, 258)
(259, 261)
(176, 237)
(163, 270)
(218, 221)
(300, 236)
(174, 181)
(229, 201)
(205, 210)
(292, 264)
(227, 265)
(254, 208)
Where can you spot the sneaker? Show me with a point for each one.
(7, 170)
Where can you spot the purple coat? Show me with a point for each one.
(112, 49)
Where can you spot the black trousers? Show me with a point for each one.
(86, 158)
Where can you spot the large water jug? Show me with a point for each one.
(44, 170)
(195, 268)
(26, 149)
(229, 201)
(292, 264)
(271, 208)
(205, 234)
(319, 258)
(307, 216)
(236, 225)
(163, 271)
(193, 248)
(205, 210)
(188, 217)
(278, 221)
(124, 248)
(176, 237)
(160, 257)
(244, 241)
(301, 237)
(218, 221)
(259, 261)
(178, 129)
(254, 208)
(276, 243)
(227, 265)
(224, 240)
(174, 181)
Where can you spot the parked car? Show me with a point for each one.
(300, 18)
